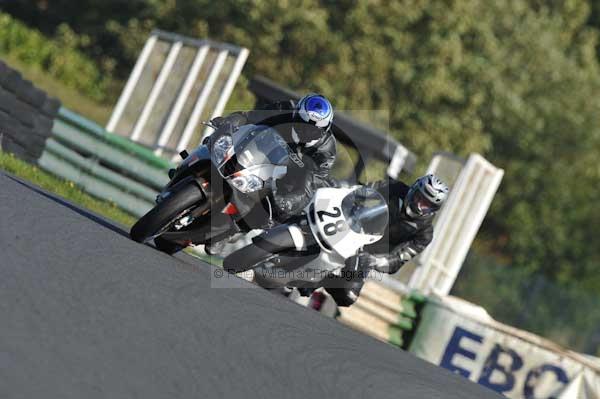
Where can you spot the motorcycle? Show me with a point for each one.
(223, 187)
(308, 248)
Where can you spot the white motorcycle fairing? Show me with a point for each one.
(337, 240)
(329, 224)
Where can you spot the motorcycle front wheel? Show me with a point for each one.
(165, 214)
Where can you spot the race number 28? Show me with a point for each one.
(332, 228)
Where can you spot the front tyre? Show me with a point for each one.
(164, 214)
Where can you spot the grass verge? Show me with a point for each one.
(65, 189)
(71, 192)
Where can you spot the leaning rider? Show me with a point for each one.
(410, 230)
(306, 127)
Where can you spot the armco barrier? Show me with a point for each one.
(103, 164)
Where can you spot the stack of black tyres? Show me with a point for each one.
(26, 115)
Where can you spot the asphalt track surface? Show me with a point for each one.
(87, 313)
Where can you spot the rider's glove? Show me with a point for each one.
(390, 264)
(366, 262)
(223, 124)
(233, 121)
(358, 266)
(218, 121)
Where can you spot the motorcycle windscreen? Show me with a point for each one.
(366, 211)
(260, 145)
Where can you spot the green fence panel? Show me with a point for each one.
(91, 166)
(116, 141)
(92, 185)
(86, 144)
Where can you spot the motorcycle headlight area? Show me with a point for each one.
(221, 148)
(247, 184)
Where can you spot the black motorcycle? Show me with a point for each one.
(223, 187)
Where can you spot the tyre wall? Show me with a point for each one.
(26, 115)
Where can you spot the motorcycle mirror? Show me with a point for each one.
(211, 125)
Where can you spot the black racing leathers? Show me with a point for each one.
(404, 238)
(315, 153)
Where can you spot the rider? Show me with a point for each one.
(409, 231)
(306, 127)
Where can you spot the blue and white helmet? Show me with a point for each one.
(316, 110)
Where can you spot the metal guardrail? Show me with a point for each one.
(125, 145)
(104, 164)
